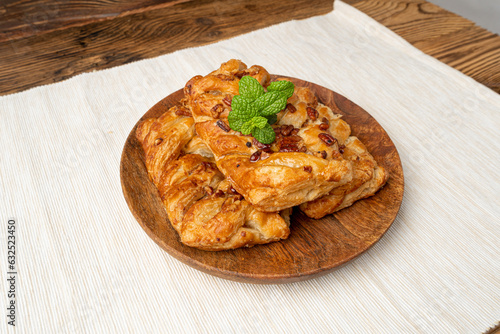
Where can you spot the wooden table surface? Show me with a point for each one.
(44, 41)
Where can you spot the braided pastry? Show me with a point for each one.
(201, 205)
(304, 162)
(367, 179)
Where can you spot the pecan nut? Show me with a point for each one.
(221, 124)
(258, 144)
(324, 126)
(312, 113)
(290, 108)
(256, 156)
(327, 138)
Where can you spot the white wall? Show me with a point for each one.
(486, 13)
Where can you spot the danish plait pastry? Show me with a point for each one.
(302, 164)
(368, 178)
(202, 207)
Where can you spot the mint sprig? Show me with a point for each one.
(256, 122)
(250, 87)
(254, 110)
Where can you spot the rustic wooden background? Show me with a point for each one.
(47, 41)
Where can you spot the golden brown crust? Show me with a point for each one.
(303, 163)
(202, 207)
(221, 189)
(163, 139)
(367, 179)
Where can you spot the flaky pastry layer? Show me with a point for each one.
(203, 208)
(305, 161)
(368, 178)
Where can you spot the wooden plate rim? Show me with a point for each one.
(255, 277)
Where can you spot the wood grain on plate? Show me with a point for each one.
(314, 248)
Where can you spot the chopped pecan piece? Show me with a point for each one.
(256, 156)
(327, 138)
(221, 124)
(291, 139)
(312, 113)
(324, 126)
(202, 167)
(286, 130)
(258, 144)
(240, 74)
(182, 111)
(289, 148)
(268, 150)
(291, 108)
(289, 143)
(217, 110)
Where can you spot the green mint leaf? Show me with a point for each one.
(248, 126)
(235, 122)
(237, 117)
(259, 121)
(242, 110)
(250, 88)
(284, 86)
(241, 105)
(265, 135)
(265, 100)
(254, 110)
(275, 107)
(272, 119)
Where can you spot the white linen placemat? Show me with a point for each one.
(86, 266)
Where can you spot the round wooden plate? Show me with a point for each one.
(314, 248)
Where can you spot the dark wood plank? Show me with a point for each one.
(495, 329)
(47, 57)
(314, 248)
(452, 39)
(21, 18)
(58, 55)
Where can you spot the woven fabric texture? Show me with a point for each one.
(86, 266)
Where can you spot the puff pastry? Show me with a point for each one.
(368, 178)
(201, 205)
(304, 163)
